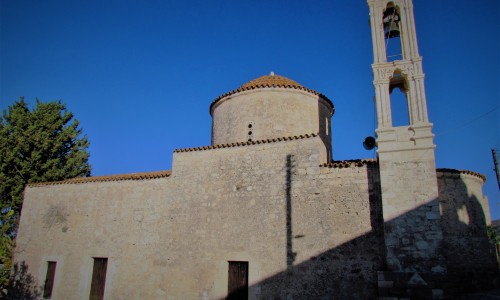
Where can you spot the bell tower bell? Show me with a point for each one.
(412, 229)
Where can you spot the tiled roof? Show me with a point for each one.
(361, 162)
(271, 81)
(239, 144)
(349, 163)
(458, 172)
(132, 176)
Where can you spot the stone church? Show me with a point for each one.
(264, 212)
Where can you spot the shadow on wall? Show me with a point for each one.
(464, 230)
(350, 270)
(22, 284)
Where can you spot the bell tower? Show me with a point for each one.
(412, 229)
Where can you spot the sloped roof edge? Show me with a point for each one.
(446, 171)
(350, 163)
(118, 177)
(241, 144)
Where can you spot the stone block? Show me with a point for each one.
(380, 275)
(437, 294)
(386, 284)
(313, 170)
(433, 215)
(422, 245)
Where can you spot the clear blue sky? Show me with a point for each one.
(140, 75)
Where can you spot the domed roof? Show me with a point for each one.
(270, 81)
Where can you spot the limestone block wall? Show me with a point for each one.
(306, 231)
(411, 212)
(72, 223)
(465, 215)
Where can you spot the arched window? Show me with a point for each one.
(391, 22)
(398, 90)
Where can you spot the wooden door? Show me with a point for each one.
(238, 280)
(98, 278)
(49, 280)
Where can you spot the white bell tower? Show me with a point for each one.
(412, 228)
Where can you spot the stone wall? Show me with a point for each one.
(413, 232)
(465, 215)
(307, 231)
(470, 261)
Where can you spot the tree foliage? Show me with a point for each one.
(43, 144)
(493, 235)
(38, 145)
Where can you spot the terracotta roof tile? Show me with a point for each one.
(239, 144)
(270, 81)
(445, 171)
(132, 176)
(349, 163)
(361, 162)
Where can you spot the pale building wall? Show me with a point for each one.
(71, 223)
(172, 238)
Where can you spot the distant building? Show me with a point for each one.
(264, 212)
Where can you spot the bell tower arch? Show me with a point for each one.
(393, 20)
(412, 231)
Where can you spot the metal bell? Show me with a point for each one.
(392, 30)
(391, 23)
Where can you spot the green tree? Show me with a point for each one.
(493, 235)
(38, 145)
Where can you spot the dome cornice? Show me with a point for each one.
(270, 81)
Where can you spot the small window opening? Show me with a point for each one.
(399, 100)
(98, 278)
(250, 131)
(238, 280)
(49, 280)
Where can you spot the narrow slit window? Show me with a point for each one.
(98, 278)
(49, 280)
(238, 280)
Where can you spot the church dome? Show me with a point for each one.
(270, 81)
(270, 107)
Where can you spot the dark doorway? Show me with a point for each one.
(238, 280)
(49, 280)
(98, 278)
